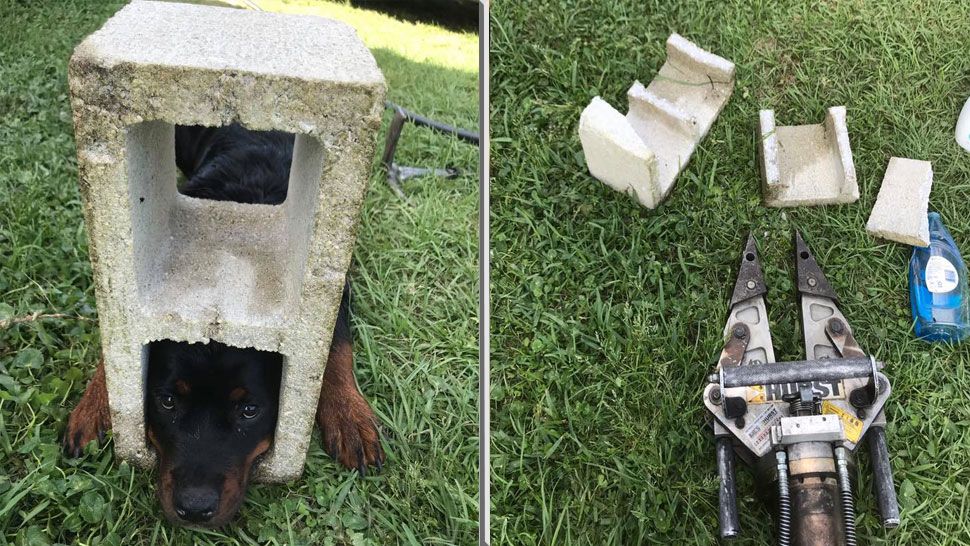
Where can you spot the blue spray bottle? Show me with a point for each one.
(938, 287)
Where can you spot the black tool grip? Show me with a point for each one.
(883, 477)
(727, 497)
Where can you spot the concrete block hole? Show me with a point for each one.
(195, 256)
(270, 363)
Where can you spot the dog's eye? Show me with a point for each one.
(249, 411)
(168, 402)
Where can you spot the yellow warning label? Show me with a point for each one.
(755, 394)
(851, 424)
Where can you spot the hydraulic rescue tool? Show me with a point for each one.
(798, 423)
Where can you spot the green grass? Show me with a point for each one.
(415, 280)
(606, 317)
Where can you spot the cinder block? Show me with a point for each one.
(168, 266)
(900, 210)
(669, 117)
(807, 164)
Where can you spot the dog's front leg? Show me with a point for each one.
(347, 423)
(90, 419)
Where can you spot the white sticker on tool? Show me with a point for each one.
(759, 429)
(941, 276)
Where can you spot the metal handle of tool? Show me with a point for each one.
(395, 173)
(417, 119)
(727, 496)
(883, 474)
(829, 369)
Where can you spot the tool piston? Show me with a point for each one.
(808, 428)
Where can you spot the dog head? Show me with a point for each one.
(210, 413)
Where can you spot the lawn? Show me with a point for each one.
(415, 286)
(606, 317)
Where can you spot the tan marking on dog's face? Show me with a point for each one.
(234, 488)
(182, 387)
(164, 479)
(237, 394)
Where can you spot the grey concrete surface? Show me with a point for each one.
(804, 165)
(900, 210)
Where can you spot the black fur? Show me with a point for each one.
(234, 164)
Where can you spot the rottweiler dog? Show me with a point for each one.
(211, 409)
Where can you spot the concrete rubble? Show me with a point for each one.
(643, 152)
(168, 266)
(900, 210)
(805, 165)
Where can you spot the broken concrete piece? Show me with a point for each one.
(694, 81)
(900, 210)
(168, 266)
(616, 155)
(807, 164)
(669, 118)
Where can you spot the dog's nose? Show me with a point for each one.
(196, 504)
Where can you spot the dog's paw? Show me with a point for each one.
(90, 419)
(85, 425)
(349, 430)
